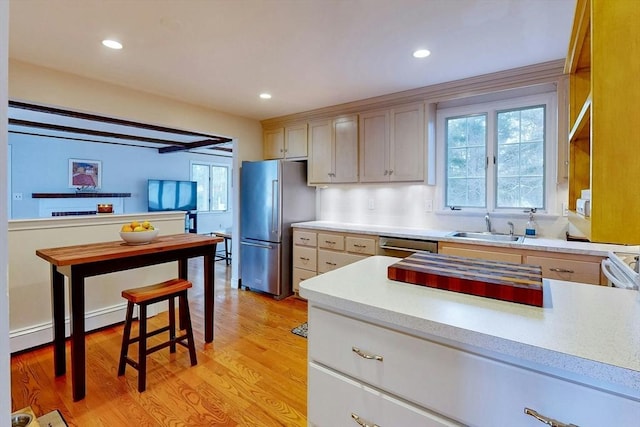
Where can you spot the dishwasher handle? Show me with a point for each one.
(397, 248)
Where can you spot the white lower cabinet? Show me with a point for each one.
(382, 372)
(330, 260)
(341, 401)
(298, 276)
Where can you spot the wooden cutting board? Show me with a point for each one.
(521, 283)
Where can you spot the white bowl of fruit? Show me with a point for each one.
(138, 233)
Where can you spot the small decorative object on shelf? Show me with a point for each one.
(87, 189)
(105, 208)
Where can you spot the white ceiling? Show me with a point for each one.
(308, 53)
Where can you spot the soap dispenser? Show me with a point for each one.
(531, 228)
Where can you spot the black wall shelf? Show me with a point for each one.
(76, 195)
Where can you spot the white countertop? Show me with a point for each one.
(590, 334)
(538, 243)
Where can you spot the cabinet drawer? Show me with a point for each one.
(329, 260)
(567, 269)
(304, 238)
(466, 387)
(298, 276)
(335, 398)
(304, 258)
(361, 245)
(331, 241)
(488, 255)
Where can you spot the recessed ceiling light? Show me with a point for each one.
(265, 95)
(112, 44)
(421, 53)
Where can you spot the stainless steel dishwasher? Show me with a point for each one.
(402, 248)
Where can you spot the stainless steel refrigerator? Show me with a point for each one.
(273, 195)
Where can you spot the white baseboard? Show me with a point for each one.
(36, 335)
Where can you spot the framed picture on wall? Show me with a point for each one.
(85, 174)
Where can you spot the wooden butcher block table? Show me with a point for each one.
(505, 281)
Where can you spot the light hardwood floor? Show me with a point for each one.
(253, 374)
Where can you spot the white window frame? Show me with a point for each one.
(549, 99)
(211, 165)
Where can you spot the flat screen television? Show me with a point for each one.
(171, 195)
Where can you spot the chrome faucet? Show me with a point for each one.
(510, 228)
(488, 221)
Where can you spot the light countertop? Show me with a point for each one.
(538, 243)
(589, 334)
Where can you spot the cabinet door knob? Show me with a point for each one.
(364, 355)
(362, 423)
(546, 420)
(386, 172)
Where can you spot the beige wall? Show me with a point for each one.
(30, 276)
(44, 86)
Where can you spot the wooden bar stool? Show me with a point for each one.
(143, 296)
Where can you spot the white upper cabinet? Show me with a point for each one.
(374, 146)
(289, 142)
(392, 144)
(333, 151)
(273, 143)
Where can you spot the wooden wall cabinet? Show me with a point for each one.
(392, 144)
(289, 142)
(333, 151)
(603, 63)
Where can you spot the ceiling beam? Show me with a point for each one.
(190, 145)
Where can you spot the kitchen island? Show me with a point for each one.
(406, 353)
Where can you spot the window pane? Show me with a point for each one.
(219, 179)
(200, 174)
(520, 158)
(466, 159)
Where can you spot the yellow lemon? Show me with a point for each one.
(126, 228)
(146, 224)
(135, 224)
(139, 228)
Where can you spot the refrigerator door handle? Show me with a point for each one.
(275, 215)
(257, 245)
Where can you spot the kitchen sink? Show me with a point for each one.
(491, 237)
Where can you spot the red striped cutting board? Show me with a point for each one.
(505, 281)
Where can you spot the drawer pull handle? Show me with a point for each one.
(330, 263)
(306, 239)
(329, 242)
(561, 270)
(304, 259)
(546, 420)
(357, 419)
(359, 246)
(364, 355)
